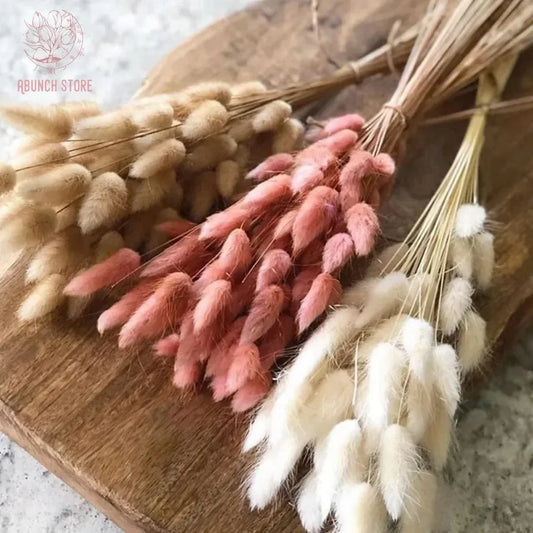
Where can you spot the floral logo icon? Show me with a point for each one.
(55, 41)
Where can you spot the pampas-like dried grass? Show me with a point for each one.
(44, 298)
(56, 187)
(105, 203)
(162, 156)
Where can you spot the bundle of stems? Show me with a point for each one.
(374, 390)
(85, 184)
(237, 289)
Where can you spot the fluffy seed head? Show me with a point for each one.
(162, 156)
(104, 204)
(228, 174)
(483, 248)
(109, 126)
(469, 220)
(472, 341)
(456, 300)
(7, 178)
(274, 267)
(208, 153)
(288, 136)
(272, 165)
(363, 226)
(208, 118)
(43, 299)
(264, 311)
(271, 116)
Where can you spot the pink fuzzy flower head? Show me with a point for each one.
(251, 393)
(363, 225)
(275, 164)
(236, 254)
(186, 374)
(305, 177)
(325, 290)
(352, 121)
(215, 299)
(114, 269)
(220, 225)
(245, 365)
(167, 346)
(316, 215)
(274, 267)
(339, 142)
(338, 250)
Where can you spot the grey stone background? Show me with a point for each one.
(489, 484)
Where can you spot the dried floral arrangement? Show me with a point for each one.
(233, 292)
(374, 390)
(86, 184)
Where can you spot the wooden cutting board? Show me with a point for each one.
(109, 423)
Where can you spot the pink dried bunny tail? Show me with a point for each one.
(119, 313)
(276, 340)
(316, 215)
(284, 226)
(274, 267)
(352, 121)
(325, 290)
(220, 360)
(305, 177)
(302, 284)
(265, 309)
(167, 346)
(175, 228)
(276, 190)
(363, 225)
(187, 254)
(163, 309)
(245, 365)
(338, 250)
(275, 164)
(114, 269)
(251, 393)
(220, 225)
(186, 373)
(215, 299)
(236, 255)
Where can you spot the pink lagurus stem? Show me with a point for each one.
(236, 254)
(186, 373)
(351, 177)
(220, 225)
(363, 226)
(114, 269)
(325, 291)
(188, 254)
(272, 165)
(245, 364)
(276, 190)
(316, 215)
(306, 177)
(214, 301)
(251, 393)
(339, 249)
(273, 269)
(167, 346)
(160, 311)
(351, 121)
(339, 142)
(175, 228)
(119, 313)
(264, 311)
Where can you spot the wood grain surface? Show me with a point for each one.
(109, 422)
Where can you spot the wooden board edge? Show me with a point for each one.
(123, 515)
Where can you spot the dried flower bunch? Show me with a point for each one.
(374, 390)
(242, 284)
(86, 184)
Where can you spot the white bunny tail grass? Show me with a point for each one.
(7, 178)
(208, 118)
(203, 195)
(259, 428)
(209, 90)
(456, 301)
(79, 109)
(271, 472)
(343, 459)
(359, 508)
(483, 248)
(50, 122)
(271, 116)
(154, 115)
(447, 376)
(398, 463)
(162, 156)
(56, 187)
(288, 137)
(145, 194)
(62, 254)
(383, 298)
(462, 257)
(438, 436)
(472, 343)
(308, 505)
(108, 244)
(418, 340)
(469, 220)
(44, 298)
(109, 126)
(386, 371)
(45, 153)
(209, 153)
(419, 508)
(246, 89)
(228, 175)
(28, 225)
(105, 203)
